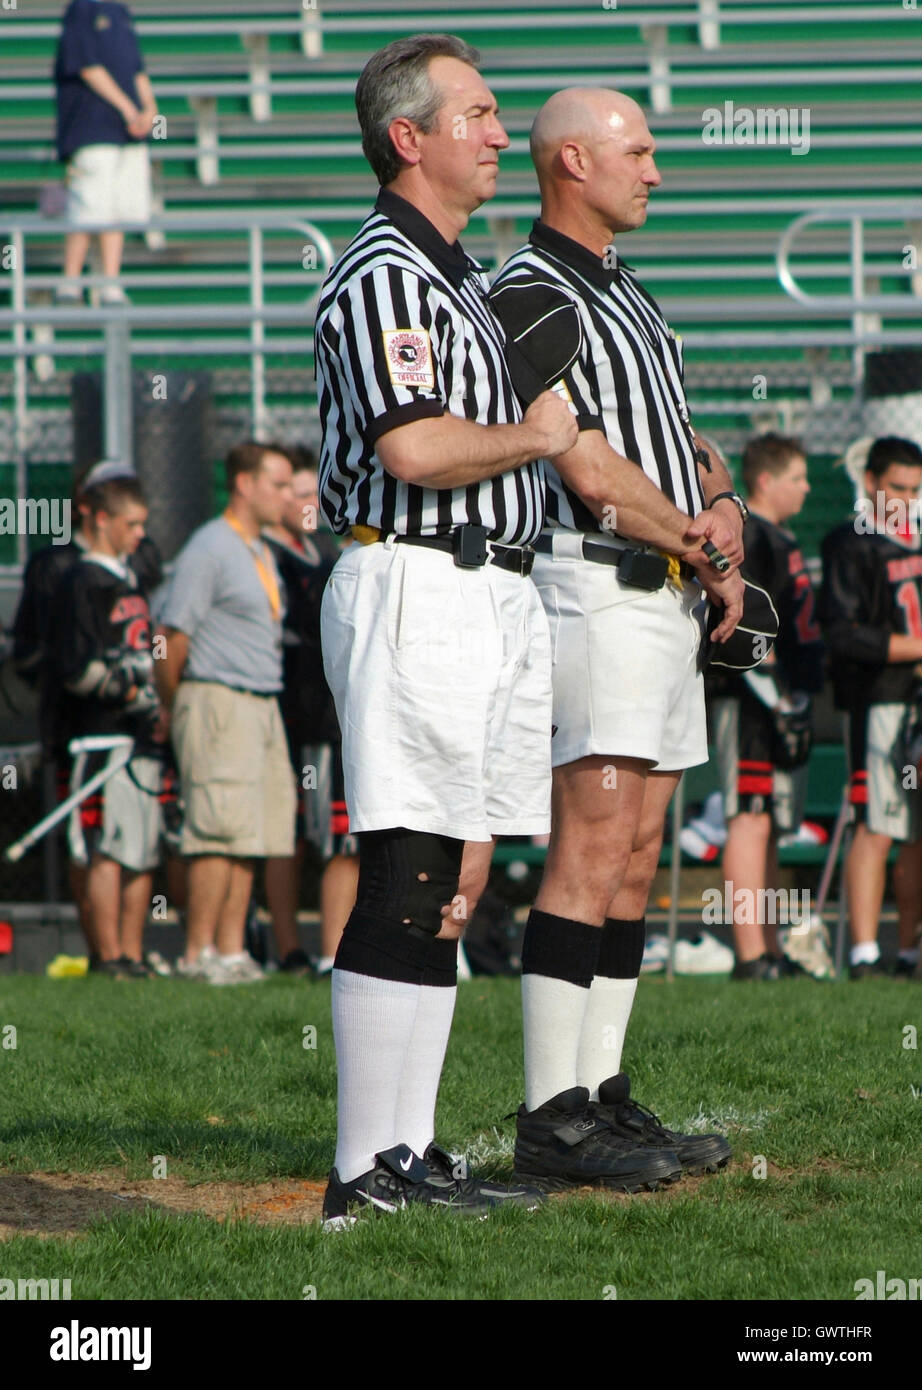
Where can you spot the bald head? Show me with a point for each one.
(580, 115)
(593, 153)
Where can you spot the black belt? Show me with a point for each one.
(237, 689)
(641, 569)
(469, 546)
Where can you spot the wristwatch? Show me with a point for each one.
(737, 502)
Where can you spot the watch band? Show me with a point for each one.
(736, 500)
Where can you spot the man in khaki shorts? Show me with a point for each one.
(220, 678)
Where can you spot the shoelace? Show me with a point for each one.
(628, 1110)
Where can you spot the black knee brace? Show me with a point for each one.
(391, 863)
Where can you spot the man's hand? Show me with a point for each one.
(161, 729)
(721, 528)
(141, 125)
(550, 415)
(726, 590)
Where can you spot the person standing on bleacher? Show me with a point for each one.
(105, 113)
(762, 717)
(871, 611)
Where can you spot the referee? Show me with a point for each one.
(625, 621)
(435, 640)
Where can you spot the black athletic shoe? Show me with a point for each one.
(905, 969)
(868, 970)
(400, 1178)
(113, 969)
(445, 1169)
(697, 1153)
(762, 968)
(136, 969)
(297, 963)
(566, 1143)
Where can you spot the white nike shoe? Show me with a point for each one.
(706, 956)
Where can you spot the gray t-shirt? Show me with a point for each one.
(217, 599)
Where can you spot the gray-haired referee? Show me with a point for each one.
(435, 641)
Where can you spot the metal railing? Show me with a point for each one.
(863, 308)
(112, 330)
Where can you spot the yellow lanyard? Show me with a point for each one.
(266, 573)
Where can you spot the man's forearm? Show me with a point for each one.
(620, 494)
(146, 93)
(169, 668)
(447, 451)
(104, 85)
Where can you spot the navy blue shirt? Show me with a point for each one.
(96, 32)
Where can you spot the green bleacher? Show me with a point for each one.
(259, 115)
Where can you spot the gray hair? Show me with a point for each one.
(395, 82)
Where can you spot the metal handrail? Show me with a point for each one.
(117, 322)
(909, 210)
(858, 304)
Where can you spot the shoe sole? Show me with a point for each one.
(559, 1183)
(698, 1170)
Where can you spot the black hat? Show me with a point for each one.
(751, 640)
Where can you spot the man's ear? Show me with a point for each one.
(575, 159)
(404, 136)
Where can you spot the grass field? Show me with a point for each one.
(110, 1084)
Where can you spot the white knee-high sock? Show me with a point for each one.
(604, 1027)
(558, 962)
(611, 999)
(373, 1022)
(414, 1121)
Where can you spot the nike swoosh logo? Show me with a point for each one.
(377, 1202)
(406, 1166)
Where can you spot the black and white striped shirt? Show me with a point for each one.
(622, 368)
(404, 331)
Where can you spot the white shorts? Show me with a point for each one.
(626, 682)
(123, 821)
(108, 183)
(442, 683)
(877, 792)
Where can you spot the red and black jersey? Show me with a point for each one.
(774, 562)
(41, 577)
(97, 615)
(872, 588)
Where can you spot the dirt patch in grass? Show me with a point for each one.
(63, 1204)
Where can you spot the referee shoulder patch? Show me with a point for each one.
(409, 357)
(543, 322)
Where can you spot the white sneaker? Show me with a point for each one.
(706, 956)
(113, 296)
(655, 954)
(199, 969)
(240, 969)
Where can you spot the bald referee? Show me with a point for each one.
(625, 620)
(435, 641)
